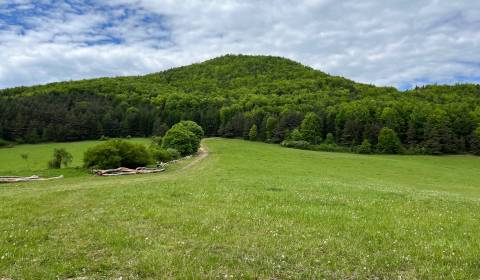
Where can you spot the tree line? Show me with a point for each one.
(261, 98)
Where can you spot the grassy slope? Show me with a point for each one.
(252, 210)
(11, 162)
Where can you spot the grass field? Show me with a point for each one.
(251, 210)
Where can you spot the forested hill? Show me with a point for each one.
(230, 95)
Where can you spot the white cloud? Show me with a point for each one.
(373, 41)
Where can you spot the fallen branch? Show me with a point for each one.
(17, 179)
(127, 171)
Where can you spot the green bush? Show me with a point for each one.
(157, 141)
(304, 145)
(174, 153)
(295, 135)
(364, 148)
(331, 148)
(329, 140)
(60, 157)
(182, 140)
(192, 127)
(117, 153)
(416, 150)
(388, 142)
(5, 143)
(160, 154)
(252, 133)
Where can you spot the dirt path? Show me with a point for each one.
(202, 153)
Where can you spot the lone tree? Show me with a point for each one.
(192, 127)
(311, 128)
(252, 134)
(184, 137)
(388, 142)
(60, 157)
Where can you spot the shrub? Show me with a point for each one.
(160, 154)
(416, 150)
(5, 143)
(116, 153)
(60, 157)
(174, 153)
(252, 134)
(329, 140)
(192, 127)
(182, 140)
(364, 148)
(304, 145)
(157, 141)
(388, 142)
(331, 148)
(295, 135)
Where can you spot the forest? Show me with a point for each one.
(262, 98)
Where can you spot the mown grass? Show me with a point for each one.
(252, 210)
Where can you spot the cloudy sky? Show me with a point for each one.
(396, 42)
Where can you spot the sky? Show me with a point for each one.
(401, 43)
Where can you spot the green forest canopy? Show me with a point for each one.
(229, 94)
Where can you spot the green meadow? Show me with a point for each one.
(248, 210)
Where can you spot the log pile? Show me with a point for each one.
(127, 171)
(18, 179)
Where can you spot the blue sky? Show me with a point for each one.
(398, 43)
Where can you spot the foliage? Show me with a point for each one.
(157, 141)
(174, 154)
(60, 157)
(329, 140)
(116, 153)
(311, 128)
(331, 148)
(182, 140)
(159, 154)
(388, 142)
(252, 133)
(192, 127)
(364, 148)
(296, 135)
(229, 94)
(4, 143)
(298, 144)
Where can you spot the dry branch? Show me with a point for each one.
(17, 179)
(127, 171)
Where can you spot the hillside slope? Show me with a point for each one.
(230, 94)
